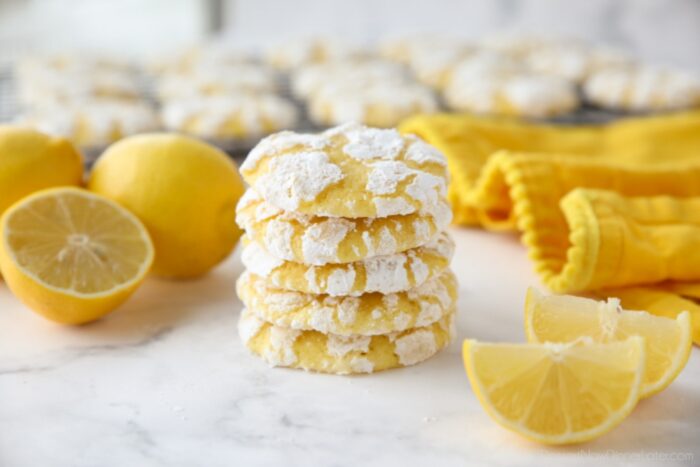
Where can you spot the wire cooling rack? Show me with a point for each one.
(238, 148)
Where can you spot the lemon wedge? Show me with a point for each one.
(557, 393)
(71, 255)
(563, 318)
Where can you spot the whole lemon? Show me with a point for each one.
(184, 191)
(31, 161)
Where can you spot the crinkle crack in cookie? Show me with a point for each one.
(368, 314)
(385, 274)
(348, 171)
(330, 353)
(320, 240)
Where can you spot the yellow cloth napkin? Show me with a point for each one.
(469, 142)
(613, 207)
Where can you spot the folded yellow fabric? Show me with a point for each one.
(613, 208)
(469, 142)
(514, 184)
(619, 241)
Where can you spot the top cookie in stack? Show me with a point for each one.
(346, 252)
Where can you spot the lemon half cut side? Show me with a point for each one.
(71, 255)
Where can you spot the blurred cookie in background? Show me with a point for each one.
(231, 117)
(309, 79)
(434, 66)
(575, 61)
(206, 55)
(304, 51)
(92, 123)
(381, 104)
(68, 80)
(216, 81)
(643, 89)
(492, 83)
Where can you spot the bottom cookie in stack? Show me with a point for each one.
(346, 334)
(333, 353)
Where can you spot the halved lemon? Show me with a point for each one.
(557, 393)
(71, 255)
(564, 318)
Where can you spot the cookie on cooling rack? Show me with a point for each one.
(643, 89)
(574, 61)
(309, 79)
(405, 49)
(498, 85)
(93, 123)
(304, 51)
(380, 104)
(237, 116)
(41, 88)
(216, 81)
(201, 56)
(434, 67)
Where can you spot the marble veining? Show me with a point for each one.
(164, 381)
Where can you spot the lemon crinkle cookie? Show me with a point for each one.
(493, 84)
(379, 104)
(434, 67)
(643, 89)
(216, 81)
(385, 274)
(94, 123)
(307, 81)
(348, 171)
(331, 353)
(346, 254)
(241, 115)
(367, 314)
(303, 51)
(315, 240)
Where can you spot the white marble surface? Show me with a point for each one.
(164, 381)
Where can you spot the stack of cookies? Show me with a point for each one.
(346, 251)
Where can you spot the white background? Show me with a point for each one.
(664, 31)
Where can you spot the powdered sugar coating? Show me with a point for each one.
(339, 346)
(259, 261)
(415, 347)
(278, 238)
(248, 326)
(350, 171)
(298, 177)
(348, 315)
(372, 143)
(282, 141)
(385, 177)
(320, 242)
(422, 153)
